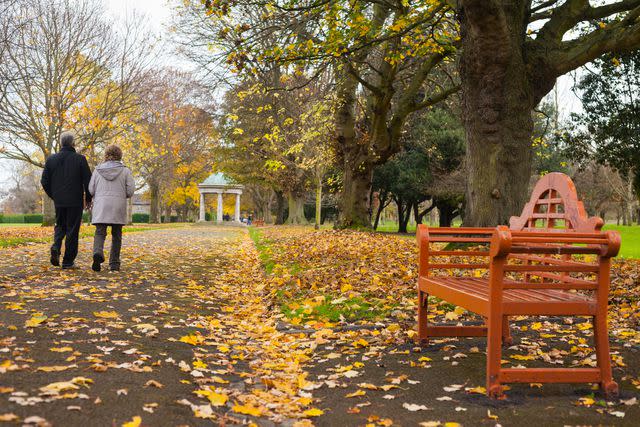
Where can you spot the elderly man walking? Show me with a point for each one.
(65, 179)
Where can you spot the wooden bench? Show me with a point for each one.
(532, 268)
(258, 223)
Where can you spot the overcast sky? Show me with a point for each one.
(159, 14)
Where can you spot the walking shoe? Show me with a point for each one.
(97, 260)
(115, 268)
(69, 267)
(55, 257)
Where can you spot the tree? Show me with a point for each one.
(63, 58)
(383, 56)
(24, 194)
(608, 130)
(428, 169)
(169, 144)
(512, 54)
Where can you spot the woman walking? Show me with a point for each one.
(111, 185)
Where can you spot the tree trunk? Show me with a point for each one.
(48, 211)
(296, 209)
(130, 210)
(154, 208)
(280, 201)
(354, 200)
(404, 212)
(318, 204)
(382, 203)
(498, 99)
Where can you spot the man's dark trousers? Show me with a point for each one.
(68, 221)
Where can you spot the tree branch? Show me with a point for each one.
(619, 37)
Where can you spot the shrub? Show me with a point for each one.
(33, 218)
(140, 217)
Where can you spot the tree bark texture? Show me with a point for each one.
(280, 207)
(48, 211)
(497, 105)
(154, 207)
(296, 209)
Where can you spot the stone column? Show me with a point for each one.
(219, 218)
(236, 217)
(203, 217)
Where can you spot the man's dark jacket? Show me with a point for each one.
(66, 178)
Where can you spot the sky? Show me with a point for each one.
(159, 14)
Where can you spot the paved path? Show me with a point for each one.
(110, 349)
(183, 336)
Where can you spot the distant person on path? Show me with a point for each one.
(65, 179)
(111, 185)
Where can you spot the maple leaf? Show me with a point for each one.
(247, 410)
(193, 339)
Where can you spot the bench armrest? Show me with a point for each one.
(504, 241)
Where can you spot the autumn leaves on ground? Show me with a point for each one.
(205, 327)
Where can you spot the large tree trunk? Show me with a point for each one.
(154, 208)
(353, 204)
(280, 201)
(354, 199)
(48, 211)
(498, 100)
(404, 213)
(296, 209)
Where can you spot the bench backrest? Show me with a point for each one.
(554, 204)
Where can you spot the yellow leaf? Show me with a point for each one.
(106, 314)
(313, 412)
(35, 321)
(199, 364)
(356, 393)
(216, 399)
(522, 357)
(135, 422)
(345, 288)
(52, 368)
(61, 349)
(247, 410)
(193, 339)
(478, 390)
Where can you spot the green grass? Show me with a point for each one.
(6, 242)
(630, 236)
(264, 251)
(329, 308)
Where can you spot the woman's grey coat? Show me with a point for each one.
(111, 185)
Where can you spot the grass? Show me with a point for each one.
(264, 251)
(630, 236)
(332, 309)
(44, 234)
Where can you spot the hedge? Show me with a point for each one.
(140, 218)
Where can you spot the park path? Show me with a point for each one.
(180, 337)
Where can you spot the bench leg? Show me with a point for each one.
(423, 338)
(494, 354)
(507, 339)
(601, 341)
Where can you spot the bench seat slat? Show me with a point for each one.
(473, 294)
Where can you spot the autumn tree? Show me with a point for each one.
(169, 144)
(512, 54)
(383, 56)
(63, 60)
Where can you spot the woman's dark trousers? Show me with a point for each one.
(116, 243)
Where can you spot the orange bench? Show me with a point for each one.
(258, 223)
(533, 269)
